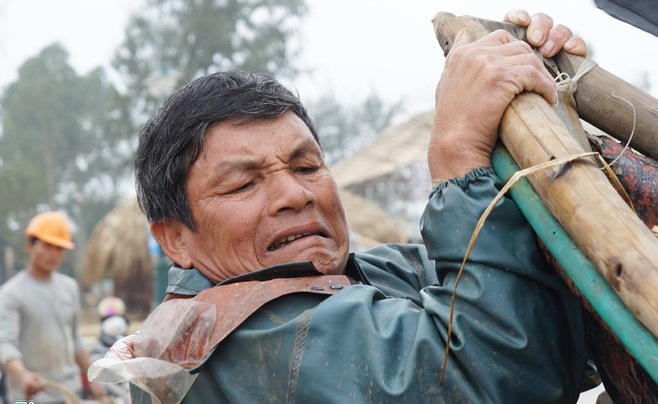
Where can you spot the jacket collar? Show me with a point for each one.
(191, 281)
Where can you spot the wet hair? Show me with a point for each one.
(172, 140)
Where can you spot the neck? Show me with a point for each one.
(38, 273)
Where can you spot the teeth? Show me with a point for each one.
(285, 240)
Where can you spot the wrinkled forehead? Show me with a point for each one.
(254, 142)
(287, 116)
(284, 131)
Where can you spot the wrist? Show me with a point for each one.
(15, 368)
(452, 160)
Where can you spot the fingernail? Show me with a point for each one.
(547, 48)
(569, 45)
(522, 17)
(537, 36)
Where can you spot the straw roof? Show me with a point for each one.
(118, 246)
(369, 224)
(396, 147)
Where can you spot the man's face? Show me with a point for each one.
(262, 195)
(45, 258)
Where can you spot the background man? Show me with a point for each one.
(39, 319)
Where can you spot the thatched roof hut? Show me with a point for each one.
(118, 246)
(118, 250)
(391, 171)
(369, 225)
(396, 147)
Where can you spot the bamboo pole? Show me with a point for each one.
(602, 98)
(578, 195)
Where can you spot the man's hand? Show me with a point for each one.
(31, 383)
(480, 79)
(542, 34)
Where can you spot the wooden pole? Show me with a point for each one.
(612, 105)
(578, 194)
(602, 99)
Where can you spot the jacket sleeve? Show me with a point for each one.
(506, 241)
(517, 332)
(514, 323)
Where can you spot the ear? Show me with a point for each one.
(169, 236)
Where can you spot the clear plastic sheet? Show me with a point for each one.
(157, 359)
(164, 381)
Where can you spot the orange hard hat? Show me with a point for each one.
(52, 228)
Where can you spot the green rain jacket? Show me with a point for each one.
(517, 333)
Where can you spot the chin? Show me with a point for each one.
(329, 265)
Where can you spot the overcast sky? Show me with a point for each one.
(359, 45)
(353, 46)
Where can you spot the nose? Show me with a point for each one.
(286, 192)
(54, 251)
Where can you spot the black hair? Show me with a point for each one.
(171, 141)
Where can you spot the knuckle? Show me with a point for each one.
(543, 19)
(563, 28)
(562, 31)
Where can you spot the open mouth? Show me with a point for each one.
(289, 239)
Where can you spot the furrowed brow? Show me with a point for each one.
(236, 165)
(303, 149)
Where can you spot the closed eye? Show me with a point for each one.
(306, 170)
(244, 187)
